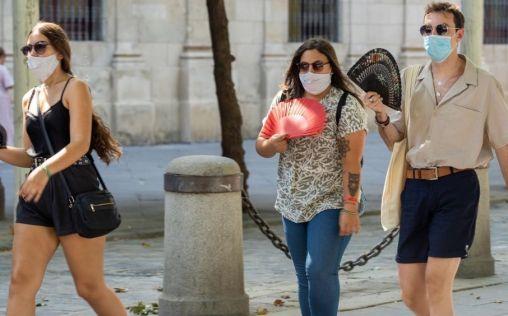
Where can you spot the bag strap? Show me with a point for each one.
(92, 162)
(340, 105)
(52, 152)
(338, 114)
(411, 75)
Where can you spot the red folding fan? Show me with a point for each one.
(296, 118)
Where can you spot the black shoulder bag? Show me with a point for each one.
(94, 213)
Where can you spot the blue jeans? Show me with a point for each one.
(316, 249)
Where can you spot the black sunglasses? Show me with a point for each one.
(441, 29)
(316, 66)
(38, 47)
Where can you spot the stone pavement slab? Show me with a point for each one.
(137, 265)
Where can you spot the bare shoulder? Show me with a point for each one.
(77, 85)
(77, 92)
(26, 99)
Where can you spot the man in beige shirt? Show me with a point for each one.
(458, 114)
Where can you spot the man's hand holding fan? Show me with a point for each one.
(295, 118)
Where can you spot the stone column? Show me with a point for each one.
(203, 245)
(412, 51)
(133, 112)
(480, 262)
(198, 110)
(275, 57)
(26, 14)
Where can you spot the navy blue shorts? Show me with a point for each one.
(438, 217)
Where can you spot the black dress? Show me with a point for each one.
(52, 209)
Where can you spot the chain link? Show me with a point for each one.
(263, 226)
(279, 244)
(374, 252)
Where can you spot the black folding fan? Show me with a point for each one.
(377, 71)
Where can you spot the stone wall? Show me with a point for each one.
(152, 75)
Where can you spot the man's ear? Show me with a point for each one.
(460, 34)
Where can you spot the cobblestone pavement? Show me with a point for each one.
(137, 265)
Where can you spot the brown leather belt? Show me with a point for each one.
(431, 173)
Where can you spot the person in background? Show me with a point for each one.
(6, 84)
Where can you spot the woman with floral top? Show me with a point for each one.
(318, 185)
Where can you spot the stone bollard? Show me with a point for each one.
(203, 238)
(480, 262)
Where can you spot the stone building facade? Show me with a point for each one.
(150, 66)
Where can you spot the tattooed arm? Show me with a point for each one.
(351, 149)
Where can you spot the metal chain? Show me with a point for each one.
(263, 226)
(374, 252)
(279, 244)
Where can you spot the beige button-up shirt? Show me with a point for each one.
(461, 130)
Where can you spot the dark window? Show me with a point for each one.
(81, 19)
(496, 22)
(308, 18)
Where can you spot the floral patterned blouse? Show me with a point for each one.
(310, 171)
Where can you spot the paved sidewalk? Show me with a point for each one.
(137, 265)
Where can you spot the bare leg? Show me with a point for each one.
(86, 261)
(32, 249)
(412, 284)
(439, 278)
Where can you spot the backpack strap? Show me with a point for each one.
(340, 105)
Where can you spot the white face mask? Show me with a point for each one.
(42, 67)
(315, 83)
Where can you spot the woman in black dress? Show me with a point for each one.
(43, 218)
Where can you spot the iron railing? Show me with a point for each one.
(496, 22)
(81, 19)
(309, 18)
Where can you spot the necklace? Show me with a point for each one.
(443, 84)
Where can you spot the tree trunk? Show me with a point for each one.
(230, 114)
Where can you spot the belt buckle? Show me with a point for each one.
(436, 173)
(38, 161)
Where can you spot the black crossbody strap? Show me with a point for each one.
(103, 184)
(340, 105)
(52, 152)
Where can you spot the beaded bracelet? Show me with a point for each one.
(385, 123)
(348, 212)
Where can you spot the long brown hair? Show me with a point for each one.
(106, 146)
(292, 86)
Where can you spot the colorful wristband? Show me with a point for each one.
(350, 198)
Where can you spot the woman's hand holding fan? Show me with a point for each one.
(295, 118)
(3, 137)
(279, 143)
